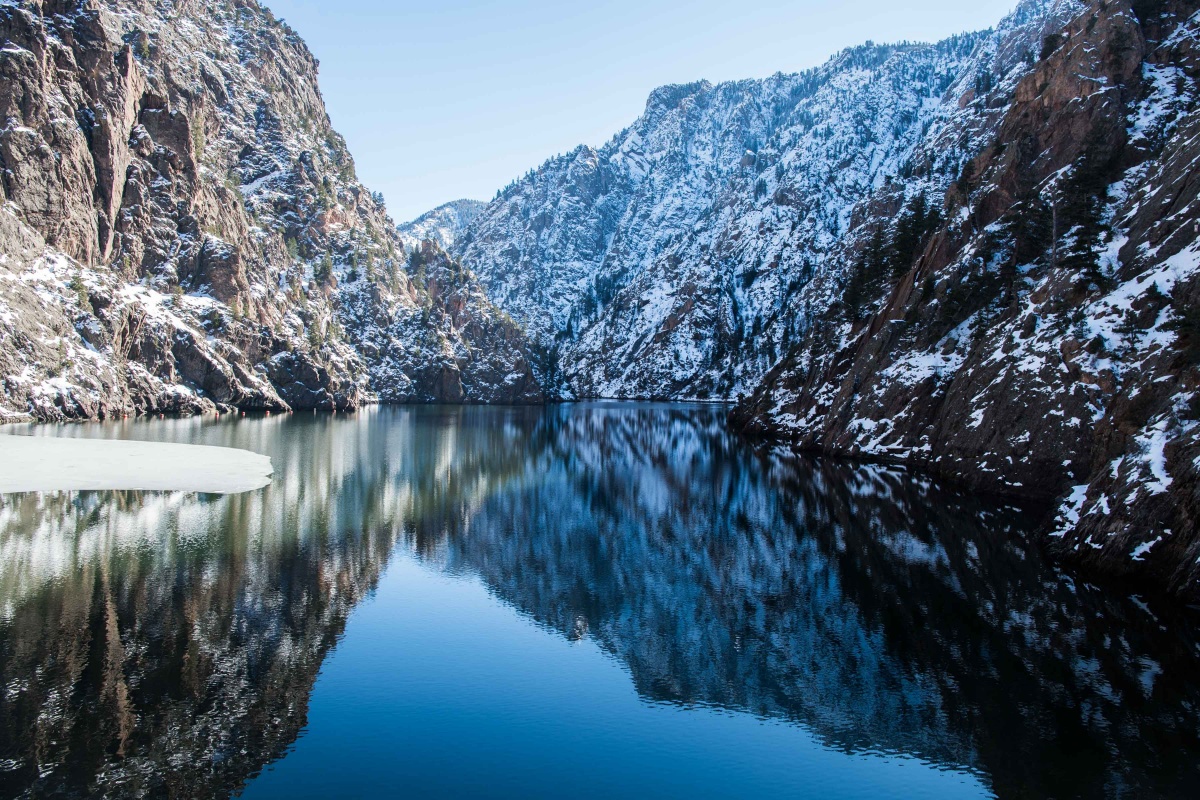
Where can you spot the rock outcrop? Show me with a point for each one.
(451, 345)
(183, 231)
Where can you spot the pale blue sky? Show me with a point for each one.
(452, 98)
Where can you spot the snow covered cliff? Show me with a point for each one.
(1037, 335)
(181, 229)
(668, 262)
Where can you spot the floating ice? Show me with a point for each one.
(46, 464)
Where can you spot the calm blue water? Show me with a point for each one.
(586, 600)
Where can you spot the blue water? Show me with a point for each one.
(582, 600)
(441, 689)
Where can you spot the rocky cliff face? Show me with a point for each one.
(668, 263)
(449, 344)
(1036, 333)
(182, 230)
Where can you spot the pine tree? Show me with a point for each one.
(1049, 45)
(1079, 210)
(324, 270)
(81, 292)
(855, 293)
(1185, 322)
(875, 257)
(1032, 229)
(917, 222)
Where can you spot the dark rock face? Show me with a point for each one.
(180, 221)
(304, 383)
(1039, 337)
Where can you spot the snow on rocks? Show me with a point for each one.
(199, 237)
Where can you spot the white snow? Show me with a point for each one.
(1155, 456)
(47, 464)
(1139, 552)
(1070, 511)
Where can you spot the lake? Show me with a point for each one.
(585, 600)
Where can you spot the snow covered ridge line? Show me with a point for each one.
(51, 464)
(443, 225)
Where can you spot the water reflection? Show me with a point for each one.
(167, 644)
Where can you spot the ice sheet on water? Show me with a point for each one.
(47, 464)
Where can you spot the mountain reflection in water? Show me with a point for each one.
(168, 644)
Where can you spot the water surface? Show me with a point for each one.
(587, 600)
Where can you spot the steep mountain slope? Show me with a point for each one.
(182, 230)
(450, 345)
(666, 263)
(1043, 339)
(443, 226)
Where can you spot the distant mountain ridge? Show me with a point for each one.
(443, 225)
